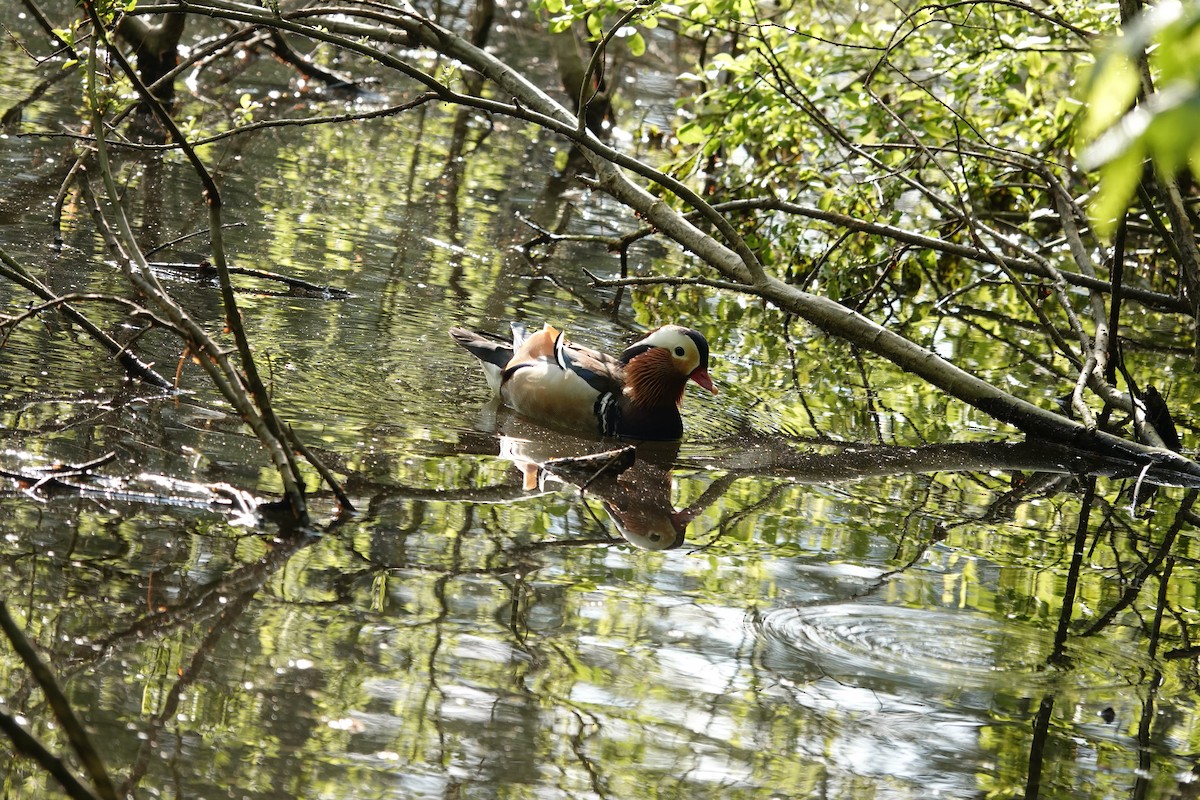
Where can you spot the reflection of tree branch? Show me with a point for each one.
(326, 474)
(1072, 582)
(1134, 584)
(81, 743)
(500, 494)
(871, 398)
(1044, 359)
(228, 615)
(206, 602)
(1037, 747)
(1021, 489)
(1041, 723)
(577, 747)
(639, 499)
(746, 512)
(1142, 781)
(443, 613)
(26, 744)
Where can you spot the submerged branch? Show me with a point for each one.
(206, 269)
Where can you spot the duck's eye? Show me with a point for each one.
(679, 352)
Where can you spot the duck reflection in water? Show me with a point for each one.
(635, 395)
(632, 481)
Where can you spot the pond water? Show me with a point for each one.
(867, 600)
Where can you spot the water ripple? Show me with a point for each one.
(896, 648)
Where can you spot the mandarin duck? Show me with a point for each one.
(636, 395)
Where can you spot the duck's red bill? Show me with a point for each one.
(700, 376)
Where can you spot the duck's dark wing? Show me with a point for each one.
(493, 353)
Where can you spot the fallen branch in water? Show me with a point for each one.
(610, 463)
(205, 269)
(11, 269)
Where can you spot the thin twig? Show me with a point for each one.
(595, 65)
(11, 269)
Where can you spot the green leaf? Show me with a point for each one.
(1111, 89)
(1171, 136)
(637, 44)
(1118, 180)
(691, 133)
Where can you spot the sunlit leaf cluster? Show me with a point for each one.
(847, 108)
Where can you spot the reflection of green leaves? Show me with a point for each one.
(1119, 132)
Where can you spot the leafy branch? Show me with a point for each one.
(373, 33)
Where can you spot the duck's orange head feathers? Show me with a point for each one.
(658, 367)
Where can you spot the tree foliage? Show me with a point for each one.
(919, 115)
(876, 158)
